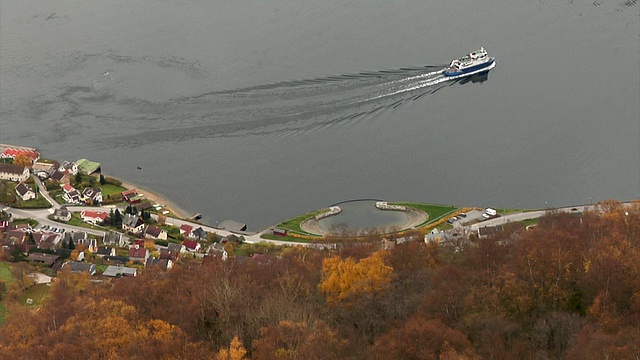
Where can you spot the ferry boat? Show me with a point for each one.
(470, 64)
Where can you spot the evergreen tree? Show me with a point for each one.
(102, 180)
(117, 219)
(112, 217)
(71, 245)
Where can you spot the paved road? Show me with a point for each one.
(41, 216)
(45, 193)
(522, 216)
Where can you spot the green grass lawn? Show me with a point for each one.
(5, 272)
(38, 203)
(285, 238)
(7, 277)
(32, 222)
(293, 224)
(110, 189)
(76, 220)
(37, 292)
(435, 211)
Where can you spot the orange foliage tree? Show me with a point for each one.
(344, 279)
(23, 159)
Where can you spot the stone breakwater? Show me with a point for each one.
(382, 205)
(334, 210)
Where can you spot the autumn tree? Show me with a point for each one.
(235, 351)
(421, 338)
(344, 279)
(297, 340)
(23, 159)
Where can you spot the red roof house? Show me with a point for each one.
(191, 245)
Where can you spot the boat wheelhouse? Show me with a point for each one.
(470, 63)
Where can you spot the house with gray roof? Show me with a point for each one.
(132, 223)
(25, 192)
(119, 271)
(115, 238)
(62, 214)
(80, 267)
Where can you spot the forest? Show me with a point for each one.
(567, 288)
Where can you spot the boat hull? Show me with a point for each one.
(471, 69)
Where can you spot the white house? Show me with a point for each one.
(94, 217)
(71, 194)
(13, 172)
(25, 192)
(69, 167)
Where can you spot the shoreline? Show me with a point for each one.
(156, 198)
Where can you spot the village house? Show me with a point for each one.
(91, 245)
(47, 240)
(71, 194)
(92, 196)
(199, 234)
(185, 229)
(80, 267)
(132, 223)
(62, 214)
(128, 194)
(115, 238)
(155, 233)
(12, 153)
(216, 251)
(191, 245)
(88, 167)
(145, 205)
(119, 271)
(488, 231)
(25, 192)
(117, 260)
(178, 248)
(163, 264)
(61, 177)
(105, 251)
(168, 254)
(13, 172)
(16, 236)
(45, 169)
(94, 217)
(46, 259)
(68, 167)
(138, 254)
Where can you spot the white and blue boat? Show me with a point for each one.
(471, 63)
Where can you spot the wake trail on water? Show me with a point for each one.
(294, 106)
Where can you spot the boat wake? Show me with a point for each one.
(293, 106)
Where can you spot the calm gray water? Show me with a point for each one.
(362, 215)
(260, 110)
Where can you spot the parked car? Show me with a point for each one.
(463, 215)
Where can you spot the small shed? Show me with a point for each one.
(280, 232)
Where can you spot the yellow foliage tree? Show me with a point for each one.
(235, 352)
(24, 160)
(345, 279)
